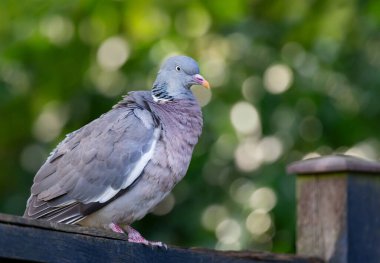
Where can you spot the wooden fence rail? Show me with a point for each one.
(32, 240)
(338, 214)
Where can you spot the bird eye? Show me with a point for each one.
(177, 68)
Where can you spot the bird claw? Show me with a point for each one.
(116, 228)
(135, 237)
(148, 243)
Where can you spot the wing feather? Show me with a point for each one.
(93, 164)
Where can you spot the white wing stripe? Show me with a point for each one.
(134, 174)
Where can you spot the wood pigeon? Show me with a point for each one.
(114, 170)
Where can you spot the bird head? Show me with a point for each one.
(175, 77)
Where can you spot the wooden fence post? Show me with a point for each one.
(338, 208)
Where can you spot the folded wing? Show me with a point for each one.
(93, 165)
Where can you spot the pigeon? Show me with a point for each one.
(117, 168)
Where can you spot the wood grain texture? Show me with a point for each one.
(338, 209)
(31, 240)
(321, 217)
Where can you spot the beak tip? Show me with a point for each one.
(206, 84)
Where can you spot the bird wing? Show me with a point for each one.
(93, 164)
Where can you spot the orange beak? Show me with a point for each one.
(199, 79)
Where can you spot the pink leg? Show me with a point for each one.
(116, 228)
(134, 236)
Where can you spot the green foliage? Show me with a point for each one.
(290, 78)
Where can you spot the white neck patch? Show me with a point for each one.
(159, 100)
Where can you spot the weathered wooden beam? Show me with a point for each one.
(338, 208)
(32, 240)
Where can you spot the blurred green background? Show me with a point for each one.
(290, 80)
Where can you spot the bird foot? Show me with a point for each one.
(115, 228)
(135, 237)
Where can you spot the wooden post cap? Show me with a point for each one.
(333, 164)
